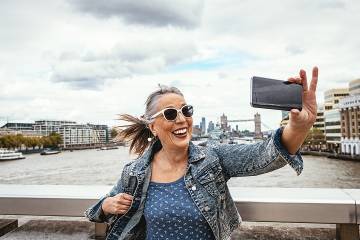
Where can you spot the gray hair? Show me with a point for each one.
(137, 132)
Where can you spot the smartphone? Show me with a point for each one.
(275, 94)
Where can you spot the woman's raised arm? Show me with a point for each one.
(241, 160)
(282, 147)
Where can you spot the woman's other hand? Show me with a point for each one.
(118, 204)
(304, 119)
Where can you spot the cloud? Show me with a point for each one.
(178, 13)
(90, 59)
(86, 69)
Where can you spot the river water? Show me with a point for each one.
(93, 167)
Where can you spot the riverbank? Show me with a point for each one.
(332, 155)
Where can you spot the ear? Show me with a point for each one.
(151, 127)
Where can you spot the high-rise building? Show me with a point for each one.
(332, 117)
(203, 126)
(211, 127)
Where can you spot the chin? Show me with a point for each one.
(181, 143)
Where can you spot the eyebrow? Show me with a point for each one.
(183, 104)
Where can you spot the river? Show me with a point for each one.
(93, 167)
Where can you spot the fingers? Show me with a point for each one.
(314, 79)
(295, 80)
(122, 203)
(121, 209)
(304, 79)
(123, 198)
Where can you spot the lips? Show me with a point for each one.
(180, 131)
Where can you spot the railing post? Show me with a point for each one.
(347, 232)
(100, 230)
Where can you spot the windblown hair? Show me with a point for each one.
(138, 132)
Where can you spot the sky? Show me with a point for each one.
(87, 60)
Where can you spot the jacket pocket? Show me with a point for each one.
(213, 181)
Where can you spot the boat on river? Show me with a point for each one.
(108, 148)
(6, 154)
(48, 151)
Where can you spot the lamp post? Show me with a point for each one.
(336, 148)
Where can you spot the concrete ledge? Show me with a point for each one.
(56, 230)
(299, 205)
(7, 225)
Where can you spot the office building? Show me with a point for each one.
(332, 117)
(350, 120)
(203, 126)
(211, 127)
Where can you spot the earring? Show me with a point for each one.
(149, 138)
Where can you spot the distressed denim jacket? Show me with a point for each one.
(209, 168)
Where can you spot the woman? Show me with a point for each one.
(177, 190)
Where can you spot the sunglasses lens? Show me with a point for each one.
(187, 110)
(170, 114)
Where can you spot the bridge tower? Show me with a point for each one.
(257, 121)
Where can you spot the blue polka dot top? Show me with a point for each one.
(170, 213)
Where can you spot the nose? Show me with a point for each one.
(180, 117)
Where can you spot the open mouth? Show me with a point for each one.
(181, 132)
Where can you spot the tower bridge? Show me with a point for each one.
(257, 123)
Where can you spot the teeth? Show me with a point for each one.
(180, 131)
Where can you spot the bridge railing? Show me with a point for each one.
(296, 205)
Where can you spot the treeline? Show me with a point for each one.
(18, 141)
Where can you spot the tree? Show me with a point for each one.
(55, 139)
(315, 138)
(113, 133)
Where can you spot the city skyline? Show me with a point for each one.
(213, 121)
(84, 61)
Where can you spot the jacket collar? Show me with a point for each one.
(196, 153)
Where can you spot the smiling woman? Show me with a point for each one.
(161, 110)
(178, 190)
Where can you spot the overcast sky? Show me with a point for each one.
(87, 60)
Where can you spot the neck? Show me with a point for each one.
(173, 157)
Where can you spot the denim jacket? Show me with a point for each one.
(209, 168)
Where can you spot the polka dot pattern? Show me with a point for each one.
(170, 213)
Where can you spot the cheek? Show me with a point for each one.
(164, 127)
(190, 122)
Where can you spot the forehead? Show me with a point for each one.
(170, 100)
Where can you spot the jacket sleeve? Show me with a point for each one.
(240, 160)
(95, 212)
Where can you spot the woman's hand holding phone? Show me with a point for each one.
(300, 122)
(304, 119)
